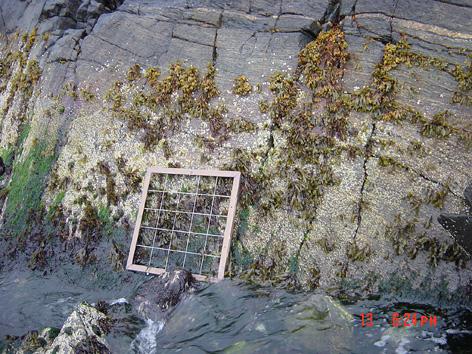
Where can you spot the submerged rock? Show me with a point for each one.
(240, 318)
(163, 292)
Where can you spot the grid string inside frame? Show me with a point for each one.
(185, 221)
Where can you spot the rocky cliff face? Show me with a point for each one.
(349, 120)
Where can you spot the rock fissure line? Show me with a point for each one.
(65, 123)
(426, 178)
(189, 41)
(448, 48)
(270, 145)
(435, 29)
(311, 222)
(275, 26)
(214, 54)
(3, 18)
(367, 149)
(353, 9)
(304, 239)
(198, 22)
(454, 4)
(119, 47)
(391, 19)
(253, 35)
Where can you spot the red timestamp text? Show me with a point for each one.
(407, 319)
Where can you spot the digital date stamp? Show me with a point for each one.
(407, 319)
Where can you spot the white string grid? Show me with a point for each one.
(173, 253)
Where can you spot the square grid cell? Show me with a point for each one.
(185, 221)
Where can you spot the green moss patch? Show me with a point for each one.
(29, 177)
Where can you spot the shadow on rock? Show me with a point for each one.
(460, 225)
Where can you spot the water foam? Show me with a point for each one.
(146, 341)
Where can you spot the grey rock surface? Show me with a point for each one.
(393, 179)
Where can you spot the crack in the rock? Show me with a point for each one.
(270, 145)
(275, 26)
(214, 54)
(292, 13)
(428, 27)
(392, 17)
(118, 46)
(454, 4)
(367, 155)
(168, 45)
(353, 9)
(65, 16)
(3, 18)
(92, 61)
(253, 35)
(332, 13)
(446, 47)
(129, 11)
(61, 61)
(426, 178)
(304, 240)
(376, 36)
(429, 179)
(197, 22)
(72, 65)
(190, 41)
(333, 7)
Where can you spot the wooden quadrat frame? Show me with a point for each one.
(185, 221)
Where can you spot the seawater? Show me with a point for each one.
(232, 317)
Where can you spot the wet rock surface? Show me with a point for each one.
(84, 331)
(162, 292)
(383, 153)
